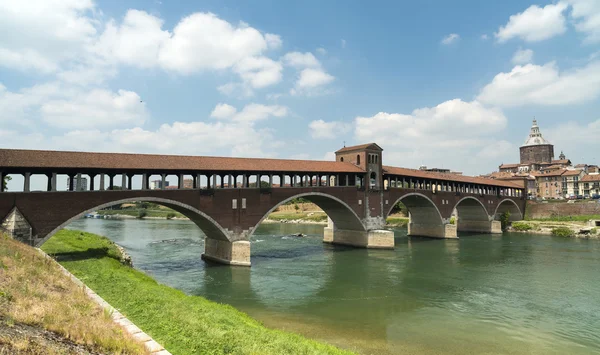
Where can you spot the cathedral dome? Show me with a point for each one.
(535, 136)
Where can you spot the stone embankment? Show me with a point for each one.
(540, 210)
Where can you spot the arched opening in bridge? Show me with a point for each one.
(471, 216)
(508, 206)
(338, 212)
(425, 219)
(208, 226)
(373, 179)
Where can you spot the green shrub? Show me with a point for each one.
(142, 213)
(452, 220)
(522, 226)
(171, 215)
(594, 230)
(504, 220)
(563, 232)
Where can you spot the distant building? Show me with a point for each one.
(439, 170)
(157, 185)
(536, 149)
(188, 183)
(590, 185)
(79, 183)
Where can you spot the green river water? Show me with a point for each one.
(481, 294)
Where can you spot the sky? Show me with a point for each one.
(452, 84)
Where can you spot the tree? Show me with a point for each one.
(5, 182)
(504, 219)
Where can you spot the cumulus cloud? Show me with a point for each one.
(522, 56)
(301, 60)
(535, 24)
(250, 113)
(543, 85)
(587, 19)
(451, 38)
(448, 133)
(273, 41)
(320, 129)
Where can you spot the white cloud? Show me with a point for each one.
(328, 130)
(321, 51)
(447, 134)
(259, 72)
(535, 24)
(495, 150)
(522, 56)
(310, 78)
(543, 85)
(41, 34)
(223, 111)
(250, 113)
(273, 41)
(97, 108)
(587, 18)
(451, 38)
(581, 150)
(301, 60)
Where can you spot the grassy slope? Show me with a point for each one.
(183, 324)
(34, 291)
(163, 213)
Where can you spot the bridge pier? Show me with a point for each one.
(226, 252)
(493, 227)
(378, 238)
(443, 231)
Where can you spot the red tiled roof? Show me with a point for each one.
(359, 147)
(508, 166)
(552, 167)
(560, 161)
(45, 159)
(590, 178)
(571, 173)
(449, 177)
(552, 173)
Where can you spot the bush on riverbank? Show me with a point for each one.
(563, 232)
(36, 296)
(522, 226)
(579, 218)
(183, 324)
(397, 221)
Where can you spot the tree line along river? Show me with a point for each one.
(481, 294)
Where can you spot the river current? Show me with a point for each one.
(480, 294)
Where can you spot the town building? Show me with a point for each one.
(589, 185)
(188, 183)
(79, 183)
(157, 185)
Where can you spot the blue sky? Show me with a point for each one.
(451, 84)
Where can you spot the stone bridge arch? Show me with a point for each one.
(341, 214)
(510, 206)
(472, 216)
(209, 226)
(425, 218)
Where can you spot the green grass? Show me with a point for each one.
(522, 226)
(579, 218)
(397, 221)
(135, 212)
(182, 324)
(314, 217)
(563, 232)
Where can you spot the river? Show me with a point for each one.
(481, 294)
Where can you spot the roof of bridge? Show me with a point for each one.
(46, 159)
(373, 146)
(450, 177)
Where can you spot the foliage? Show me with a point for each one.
(504, 220)
(183, 324)
(309, 217)
(563, 232)
(400, 208)
(5, 181)
(37, 293)
(594, 230)
(522, 226)
(296, 207)
(579, 218)
(142, 213)
(397, 221)
(171, 215)
(452, 220)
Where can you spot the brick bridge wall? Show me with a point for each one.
(548, 210)
(350, 208)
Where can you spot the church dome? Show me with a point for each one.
(535, 136)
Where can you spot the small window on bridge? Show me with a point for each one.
(342, 159)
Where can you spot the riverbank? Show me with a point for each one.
(42, 311)
(570, 228)
(183, 324)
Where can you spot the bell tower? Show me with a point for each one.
(367, 157)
